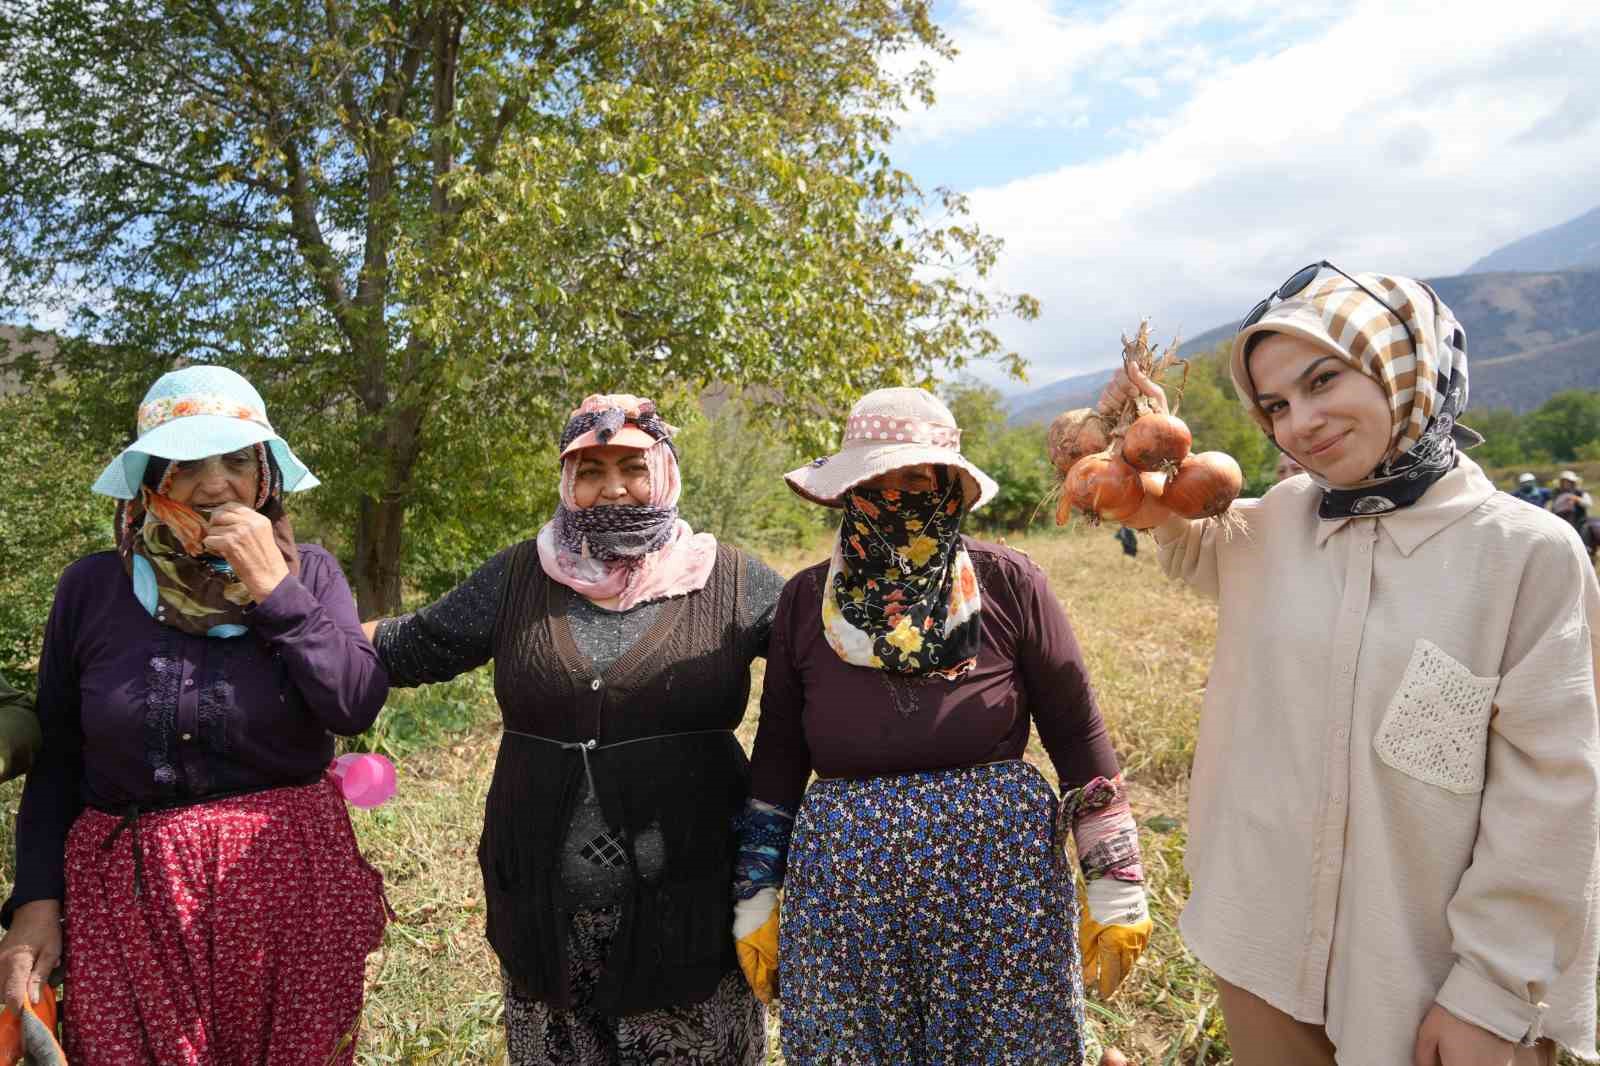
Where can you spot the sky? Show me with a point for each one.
(1178, 159)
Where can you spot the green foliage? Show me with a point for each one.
(1017, 458)
(48, 518)
(732, 466)
(424, 231)
(1563, 424)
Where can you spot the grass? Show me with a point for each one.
(433, 993)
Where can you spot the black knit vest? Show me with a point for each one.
(664, 755)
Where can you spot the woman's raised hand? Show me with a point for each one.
(30, 950)
(243, 537)
(1129, 383)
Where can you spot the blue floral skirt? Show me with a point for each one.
(930, 919)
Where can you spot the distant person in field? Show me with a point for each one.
(928, 915)
(1529, 490)
(622, 642)
(19, 732)
(181, 847)
(1286, 468)
(1394, 824)
(1570, 502)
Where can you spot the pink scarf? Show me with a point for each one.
(680, 566)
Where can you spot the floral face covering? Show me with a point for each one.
(902, 594)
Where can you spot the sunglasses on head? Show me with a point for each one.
(1297, 283)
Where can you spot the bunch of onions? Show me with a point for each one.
(1149, 473)
(1127, 460)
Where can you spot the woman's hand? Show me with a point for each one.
(243, 537)
(1445, 1040)
(30, 950)
(1130, 383)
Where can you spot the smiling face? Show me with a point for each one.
(611, 476)
(1333, 419)
(216, 479)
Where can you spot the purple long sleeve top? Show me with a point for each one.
(136, 712)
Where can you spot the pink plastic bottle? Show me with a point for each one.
(366, 780)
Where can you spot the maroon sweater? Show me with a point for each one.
(820, 713)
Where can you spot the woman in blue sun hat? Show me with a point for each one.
(178, 830)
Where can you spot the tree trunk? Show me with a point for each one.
(379, 524)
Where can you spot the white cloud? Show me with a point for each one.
(1412, 142)
(1038, 62)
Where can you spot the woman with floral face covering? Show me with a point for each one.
(928, 915)
(622, 643)
(179, 829)
(1393, 829)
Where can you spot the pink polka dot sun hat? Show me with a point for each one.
(888, 429)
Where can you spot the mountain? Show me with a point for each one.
(1528, 334)
(1043, 404)
(1564, 247)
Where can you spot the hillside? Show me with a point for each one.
(1528, 334)
(1572, 244)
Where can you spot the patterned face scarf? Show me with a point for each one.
(1427, 388)
(174, 578)
(902, 594)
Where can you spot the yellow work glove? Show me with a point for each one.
(755, 938)
(1109, 952)
(1110, 948)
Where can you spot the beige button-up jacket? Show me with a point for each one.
(1395, 787)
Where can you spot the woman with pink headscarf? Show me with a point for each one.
(622, 643)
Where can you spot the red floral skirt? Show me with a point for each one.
(245, 945)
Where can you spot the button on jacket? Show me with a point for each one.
(1395, 786)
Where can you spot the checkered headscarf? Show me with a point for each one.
(1427, 388)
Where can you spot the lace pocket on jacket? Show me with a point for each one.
(1436, 728)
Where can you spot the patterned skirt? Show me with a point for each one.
(245, 942)
(930, 919)
(728, 1029)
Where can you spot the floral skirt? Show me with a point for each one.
(930, 919)
(727, 1029)
(245, 941)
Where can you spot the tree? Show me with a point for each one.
(425, 228)
(1017, 458)
(1563, 424)
(47, 519)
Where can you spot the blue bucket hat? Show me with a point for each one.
(193, 413)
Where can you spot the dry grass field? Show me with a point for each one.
(434, 990)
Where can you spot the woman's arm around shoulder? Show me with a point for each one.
(450, 636)
(19, 732)
(762, 587)
(311, 623)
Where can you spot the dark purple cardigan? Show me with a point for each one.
(134, 711)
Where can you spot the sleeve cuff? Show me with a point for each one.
(1474, 998)
(286, 607)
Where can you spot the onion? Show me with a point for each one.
(1075, 434)
(1153, 510)
(1105, 486)
(1204, 486)
(1156, 442)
